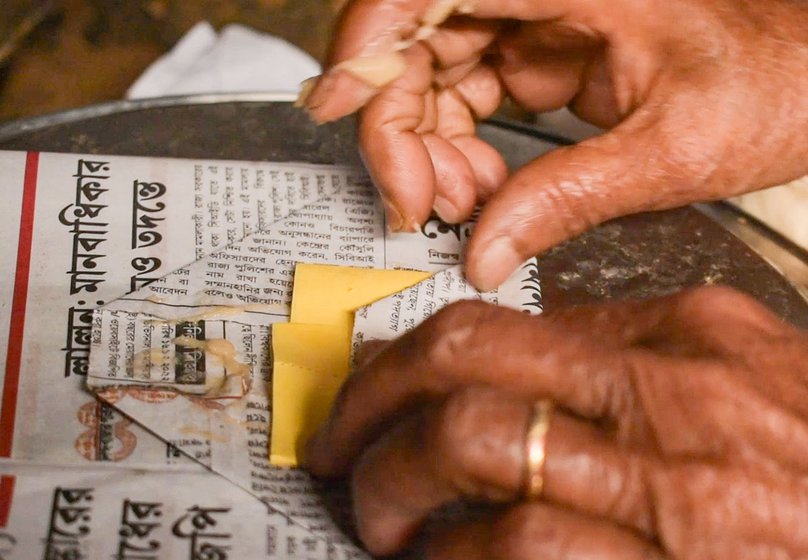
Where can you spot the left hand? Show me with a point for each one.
(701, 98)
(681, 432)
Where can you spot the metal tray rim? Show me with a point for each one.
(17, 127)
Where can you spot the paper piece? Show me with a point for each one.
(329, 295)
(311, 353)
(310, 364)
(104, 511)
(390, 317)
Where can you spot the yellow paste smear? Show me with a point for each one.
(311, 353)
(217, 312)
(225, 352)
(235, 381)
(143, 360)
(203, 434)
(375, 70)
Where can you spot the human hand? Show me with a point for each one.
(705, 99)
(681, 431)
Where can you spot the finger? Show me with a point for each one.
(373, 26)
(568, 191)
(701, 315)
(596, 102)
(465, 344)
(472, 446)
(486, 162)
(450, 76)
(583, 12)
(455, 182)
(481, 91)
(415, 173)
(763, 508)
(394, 152)
(618, 324)
(678, 324)
(456, 123)
(375, 29)
(467, 447)
(475, 95)
(461, 39)
(542, 65)
(366, 30)
(535, 530)
(690, 323)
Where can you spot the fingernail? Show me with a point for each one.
(395, 221)
(413, 226)
(315, 92)
(447, 211)
(495, 262)
(306, 87)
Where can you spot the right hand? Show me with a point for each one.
(704, 99)
(681, 432)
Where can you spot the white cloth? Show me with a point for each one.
(238, 59)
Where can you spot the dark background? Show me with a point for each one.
(59, 54)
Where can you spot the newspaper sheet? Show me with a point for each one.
(390, 317)
(100, 511)
(163, 250)
(81, 231)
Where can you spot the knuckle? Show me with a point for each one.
(685, 162)
(452, 331)
(575, 193)
(562, 199)
(456, 430)
(631, 503)
(390, 112)
(471, 435)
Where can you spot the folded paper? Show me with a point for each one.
(236, 293)
(311, 353)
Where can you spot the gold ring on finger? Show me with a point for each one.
(536, 448)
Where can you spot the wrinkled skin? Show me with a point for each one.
(704, 99)
(682, 423)
(681, 431)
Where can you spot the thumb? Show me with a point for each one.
(567, 191)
